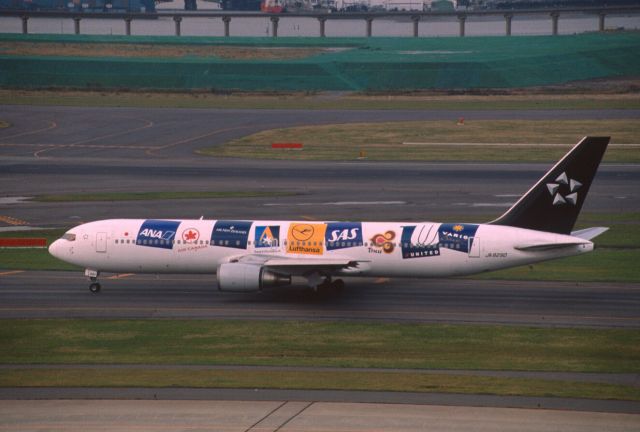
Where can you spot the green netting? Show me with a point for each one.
(364, 63)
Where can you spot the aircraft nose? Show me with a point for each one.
(56, 249)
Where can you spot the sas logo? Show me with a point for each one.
(382, 242)
(341, 235)
(305, 238)
(232, 234)
(267, 237)
(190, 235)
(157, 233)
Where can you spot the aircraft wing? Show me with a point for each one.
(303, 265)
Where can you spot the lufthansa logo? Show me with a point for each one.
(302, 232)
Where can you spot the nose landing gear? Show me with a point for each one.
(95, 286)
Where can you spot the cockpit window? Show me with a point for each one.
(69, 237)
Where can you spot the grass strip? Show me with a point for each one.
(141, 196)
(438, 141)
(320, 101)
(313, 380)
(330, 344)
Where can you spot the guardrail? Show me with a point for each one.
(415, 16)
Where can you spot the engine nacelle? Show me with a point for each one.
(240, 277)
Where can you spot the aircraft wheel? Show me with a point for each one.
(338, 285)
(95, 287)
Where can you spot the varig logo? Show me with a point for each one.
(564, 182)
(458, 228)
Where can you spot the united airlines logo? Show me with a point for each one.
(561, 184)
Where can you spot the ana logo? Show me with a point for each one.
(158, 234)
(190, 235)
(564, 182)
(384, 241)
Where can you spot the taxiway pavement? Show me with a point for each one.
(66, 294)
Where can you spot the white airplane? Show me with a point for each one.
(251, 255)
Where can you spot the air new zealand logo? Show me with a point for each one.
(562, 183)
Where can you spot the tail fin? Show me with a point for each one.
(554, 202)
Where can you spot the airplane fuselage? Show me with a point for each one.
(415, 249)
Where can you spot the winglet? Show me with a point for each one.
(554, 202)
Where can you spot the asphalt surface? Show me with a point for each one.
(291, 415)
(66, 294)
(150, 133)
(80, 150)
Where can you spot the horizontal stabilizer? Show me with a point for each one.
(589, 233)
(534, 247)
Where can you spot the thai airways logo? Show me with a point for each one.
(383, 241)
(341, 235)
(561, 184)
(157, 233)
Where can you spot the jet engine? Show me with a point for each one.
(241, 277)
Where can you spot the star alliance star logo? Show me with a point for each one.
(554, 190)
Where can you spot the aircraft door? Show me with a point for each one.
(474, 247)
(101, 242)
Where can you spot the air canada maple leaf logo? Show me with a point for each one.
(564, 190)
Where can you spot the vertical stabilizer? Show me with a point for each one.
(554, 202)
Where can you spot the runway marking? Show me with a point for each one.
(337, 203)
(265, 417)
(52, 125)
(120, 276)
(13, 221)
(186, 140)
(507, 145)
(7, 273)
(148, 124)
(381, 280)
(309, 218)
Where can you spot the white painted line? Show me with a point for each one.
(13, 200)
(339, 203)
(508, 145)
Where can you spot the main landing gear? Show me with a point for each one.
(324, 284)
(94, 286)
